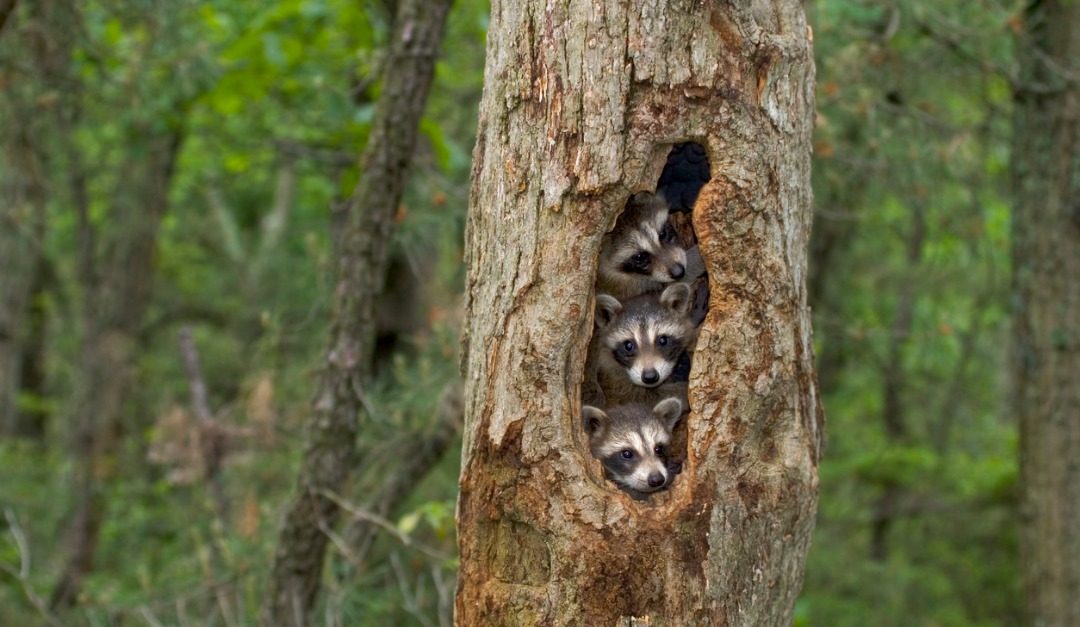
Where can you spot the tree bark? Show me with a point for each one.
(1046, 298)
(582, 102)
(298, 561)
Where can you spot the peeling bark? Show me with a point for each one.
(582, 103)
(1046, 300)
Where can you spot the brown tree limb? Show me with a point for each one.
(298, 561)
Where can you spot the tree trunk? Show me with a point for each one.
(582, 103)
(22, 230)
(116, 299)
(24, 192)
(1046, 297)
(363, 246)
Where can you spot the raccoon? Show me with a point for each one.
(642, 253)
(638, 343)
(631, 441)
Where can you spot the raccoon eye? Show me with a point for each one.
(667, 233)
(629, 346)
(662, 340)
(627, 454)
(640, 258)
(660, 449)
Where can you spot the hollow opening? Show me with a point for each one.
(651, 295)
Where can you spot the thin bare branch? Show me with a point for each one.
(22, 574)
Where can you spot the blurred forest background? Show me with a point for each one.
(172, 173)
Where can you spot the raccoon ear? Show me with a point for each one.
(669, 410)
(677, 297)
(607, 308)
(594, 420)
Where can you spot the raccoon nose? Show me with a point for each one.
(677, 271)
(650, 376)
(656, 480)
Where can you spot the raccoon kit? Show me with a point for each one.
(632, 442)
(651, 295)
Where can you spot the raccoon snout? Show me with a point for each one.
(656, 480)
(650, 377)
(677, 271)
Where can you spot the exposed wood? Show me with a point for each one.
(582, 102)
(1046, 300)
(363, 248)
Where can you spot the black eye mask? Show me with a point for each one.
(638, 263)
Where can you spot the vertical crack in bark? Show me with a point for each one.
(727, 544)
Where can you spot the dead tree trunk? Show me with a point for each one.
(364, 245)
(582, 102)
(1046, 297)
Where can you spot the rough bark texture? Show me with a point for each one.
(582, 102)
(363, 246)
(1046, 295)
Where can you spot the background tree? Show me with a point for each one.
(581, 106)
(116, 273)
(909, 288)
(34, 112)
(1046, 297)
(361, 271)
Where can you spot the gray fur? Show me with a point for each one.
(642, 432)
(624, 376)
(638, 229)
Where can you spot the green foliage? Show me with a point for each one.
(911, 148)
(274, 102)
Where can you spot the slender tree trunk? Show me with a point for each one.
(22, 226)
(116, 296)
(7, 7)
(24, 191)
(582, 102)
(1046, 297)
(298, 562)
(894, 383)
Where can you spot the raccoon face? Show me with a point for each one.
(646, 335)
(641, 252)
(631, 442)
